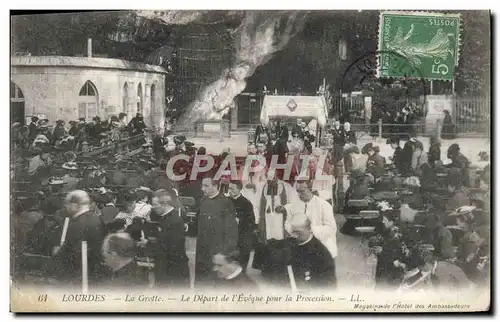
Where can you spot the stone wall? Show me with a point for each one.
(54, 91)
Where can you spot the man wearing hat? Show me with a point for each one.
(73, 129)
(81, 125)
(159, 142)
(408, 150)
(338, 142)
(262, 134)
(397, 158)
(458, 194)
(94, 129)
(459, 161)
(59, 132)
(297, 129)
(190, 149)
(82, 134)
(136, 125)
(33, 128)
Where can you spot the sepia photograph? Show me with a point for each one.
(250, 161)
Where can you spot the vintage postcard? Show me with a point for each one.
(250, 161)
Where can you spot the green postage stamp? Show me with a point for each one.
(418, 44)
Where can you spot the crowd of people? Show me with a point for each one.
(435, 217)
(128, 210)
(132, 215)
(79, 136)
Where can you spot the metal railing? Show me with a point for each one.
(472, 115)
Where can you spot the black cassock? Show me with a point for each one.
(338, 144)
(313, 266)
(86, 227)
(171, 261)
(217, 232)
(246, 227)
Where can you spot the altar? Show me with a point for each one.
(213, 129)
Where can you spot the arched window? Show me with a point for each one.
(88, 101)
(17, 112)
(139, 98)
(125, 98)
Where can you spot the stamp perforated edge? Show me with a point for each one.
(420, 13)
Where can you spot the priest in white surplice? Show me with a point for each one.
(271, 223)
(319, 212)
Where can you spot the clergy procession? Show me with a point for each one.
(96, 206)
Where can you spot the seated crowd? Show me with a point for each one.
(434, 219)
(135, 219)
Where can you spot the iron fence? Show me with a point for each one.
(472, 115)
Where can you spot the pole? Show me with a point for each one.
(380, 128)
(250, 260)
(222, 130)
(89, 47)
(438, 129)
(292, 278)
(65, 231)
(85, 277)
(340, 185)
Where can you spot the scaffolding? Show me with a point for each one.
(201, 56)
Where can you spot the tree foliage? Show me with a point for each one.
(115, 34)
(473, 72)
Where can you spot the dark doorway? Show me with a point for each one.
(17, 112)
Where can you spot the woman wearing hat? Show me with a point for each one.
(448, 129)
(459, 196)
(434, 152)
(73, 129)
(42, 137)
(390, 253)
(459, 161)
(375, 164)
(59, 132)
(40, 165)
(70, 179)
(122, 119)
(350, 140)
(358, 188)
(128, 210)
(430, 273)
